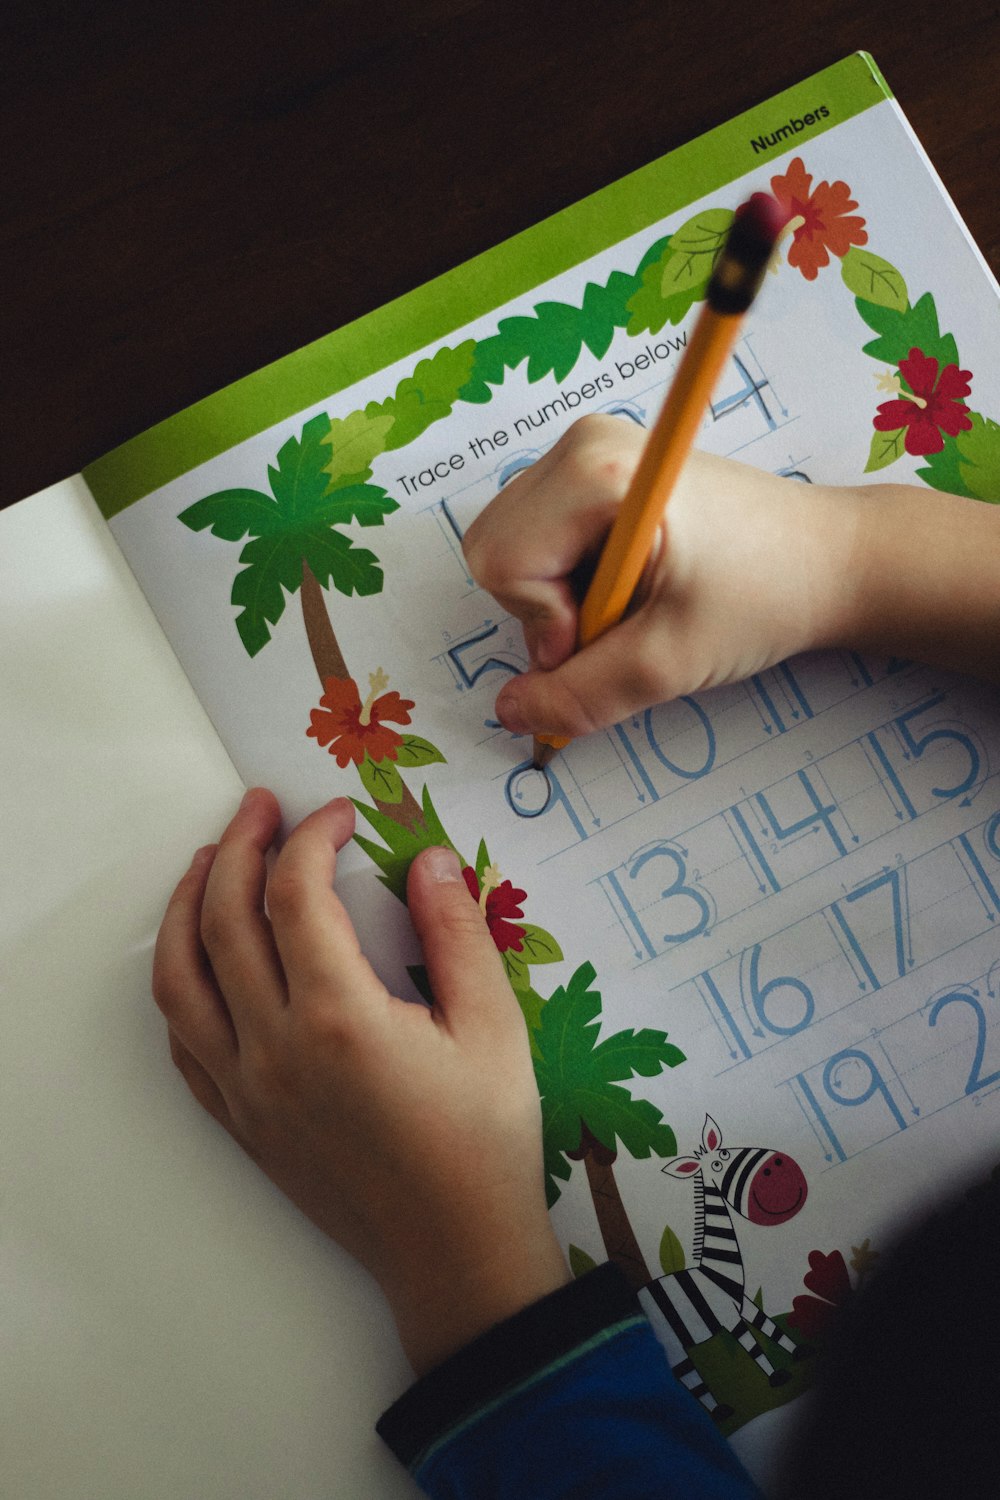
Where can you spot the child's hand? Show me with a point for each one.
(410, 1135)
(750, 570)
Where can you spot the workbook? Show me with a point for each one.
(753, 931)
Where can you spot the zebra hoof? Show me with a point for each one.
(720, 1413)
(779, 1377)
(803, 1351)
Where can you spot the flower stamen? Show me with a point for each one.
(892, 383)
(378, 681)
(491, 879)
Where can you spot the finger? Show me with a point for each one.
(315, 937)
(528, 545)
(200, 1082)
(234, 928)
(621, 673)
(184, 987)
(467, 977)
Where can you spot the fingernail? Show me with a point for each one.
(443, 864)
(508, 712)
(202, 856)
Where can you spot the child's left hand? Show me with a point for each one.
(412, 1136)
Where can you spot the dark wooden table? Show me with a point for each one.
(193, 190)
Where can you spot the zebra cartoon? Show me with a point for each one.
(687, 1307)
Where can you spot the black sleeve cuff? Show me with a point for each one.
(505, 1356)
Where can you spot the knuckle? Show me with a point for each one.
(287, 895)
(646, 681)
(576, 714)
(460, 919)
(219, 928)
(167, 982)
(480, 550)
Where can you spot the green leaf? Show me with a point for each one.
(273, 567)
(334, 558)
(886, 447)
(355, 441)
(579, 1261)
(381, 779)
(649, 310)
(531, 1004)
(365, 503)
(979, 458)
(482, 860)
(403, 843)
(425, 396)
(672, 1257)
(539, 946)
(417, 752)
(234, 514)
(899, 332)
(646, 1052)
(516, 969)
(299, 481)
(874, 279)
(943, 471)
(693, 251)
(637, 1124)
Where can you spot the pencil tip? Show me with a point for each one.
(541, 755)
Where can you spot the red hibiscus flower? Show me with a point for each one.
(819, 219)
(350, 729)
(933, 408)
(502, 901)
(827, 1277)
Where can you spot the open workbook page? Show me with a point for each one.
(755, 926)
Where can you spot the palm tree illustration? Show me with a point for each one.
(587, 1114)
(296, 546)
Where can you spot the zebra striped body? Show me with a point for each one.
(688, 1307)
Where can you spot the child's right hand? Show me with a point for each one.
(751, 569)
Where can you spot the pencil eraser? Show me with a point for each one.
(762, 217)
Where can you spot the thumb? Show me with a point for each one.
(601, 684)
(466, 974)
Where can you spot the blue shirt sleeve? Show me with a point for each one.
(572, 1398)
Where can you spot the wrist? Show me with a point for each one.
(925, 573)
(835, 543)
(447, 1304)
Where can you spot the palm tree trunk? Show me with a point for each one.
(616, 1231)
(326, 653)
(328, 660)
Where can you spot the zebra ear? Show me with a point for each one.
(711, 1135)
(682, 1166)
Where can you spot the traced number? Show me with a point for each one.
(491, 664)
(749, 391)
(760, 994)
(703, 719)
(893, 878)
(822, 813)
(677, 890)
(918, 746)
(990, 837)
(961, 997)
(850, 1067)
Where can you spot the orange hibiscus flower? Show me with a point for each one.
(819, 219)
(350, 729)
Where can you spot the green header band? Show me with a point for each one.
(411, 322)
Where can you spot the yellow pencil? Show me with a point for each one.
(735, 282)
